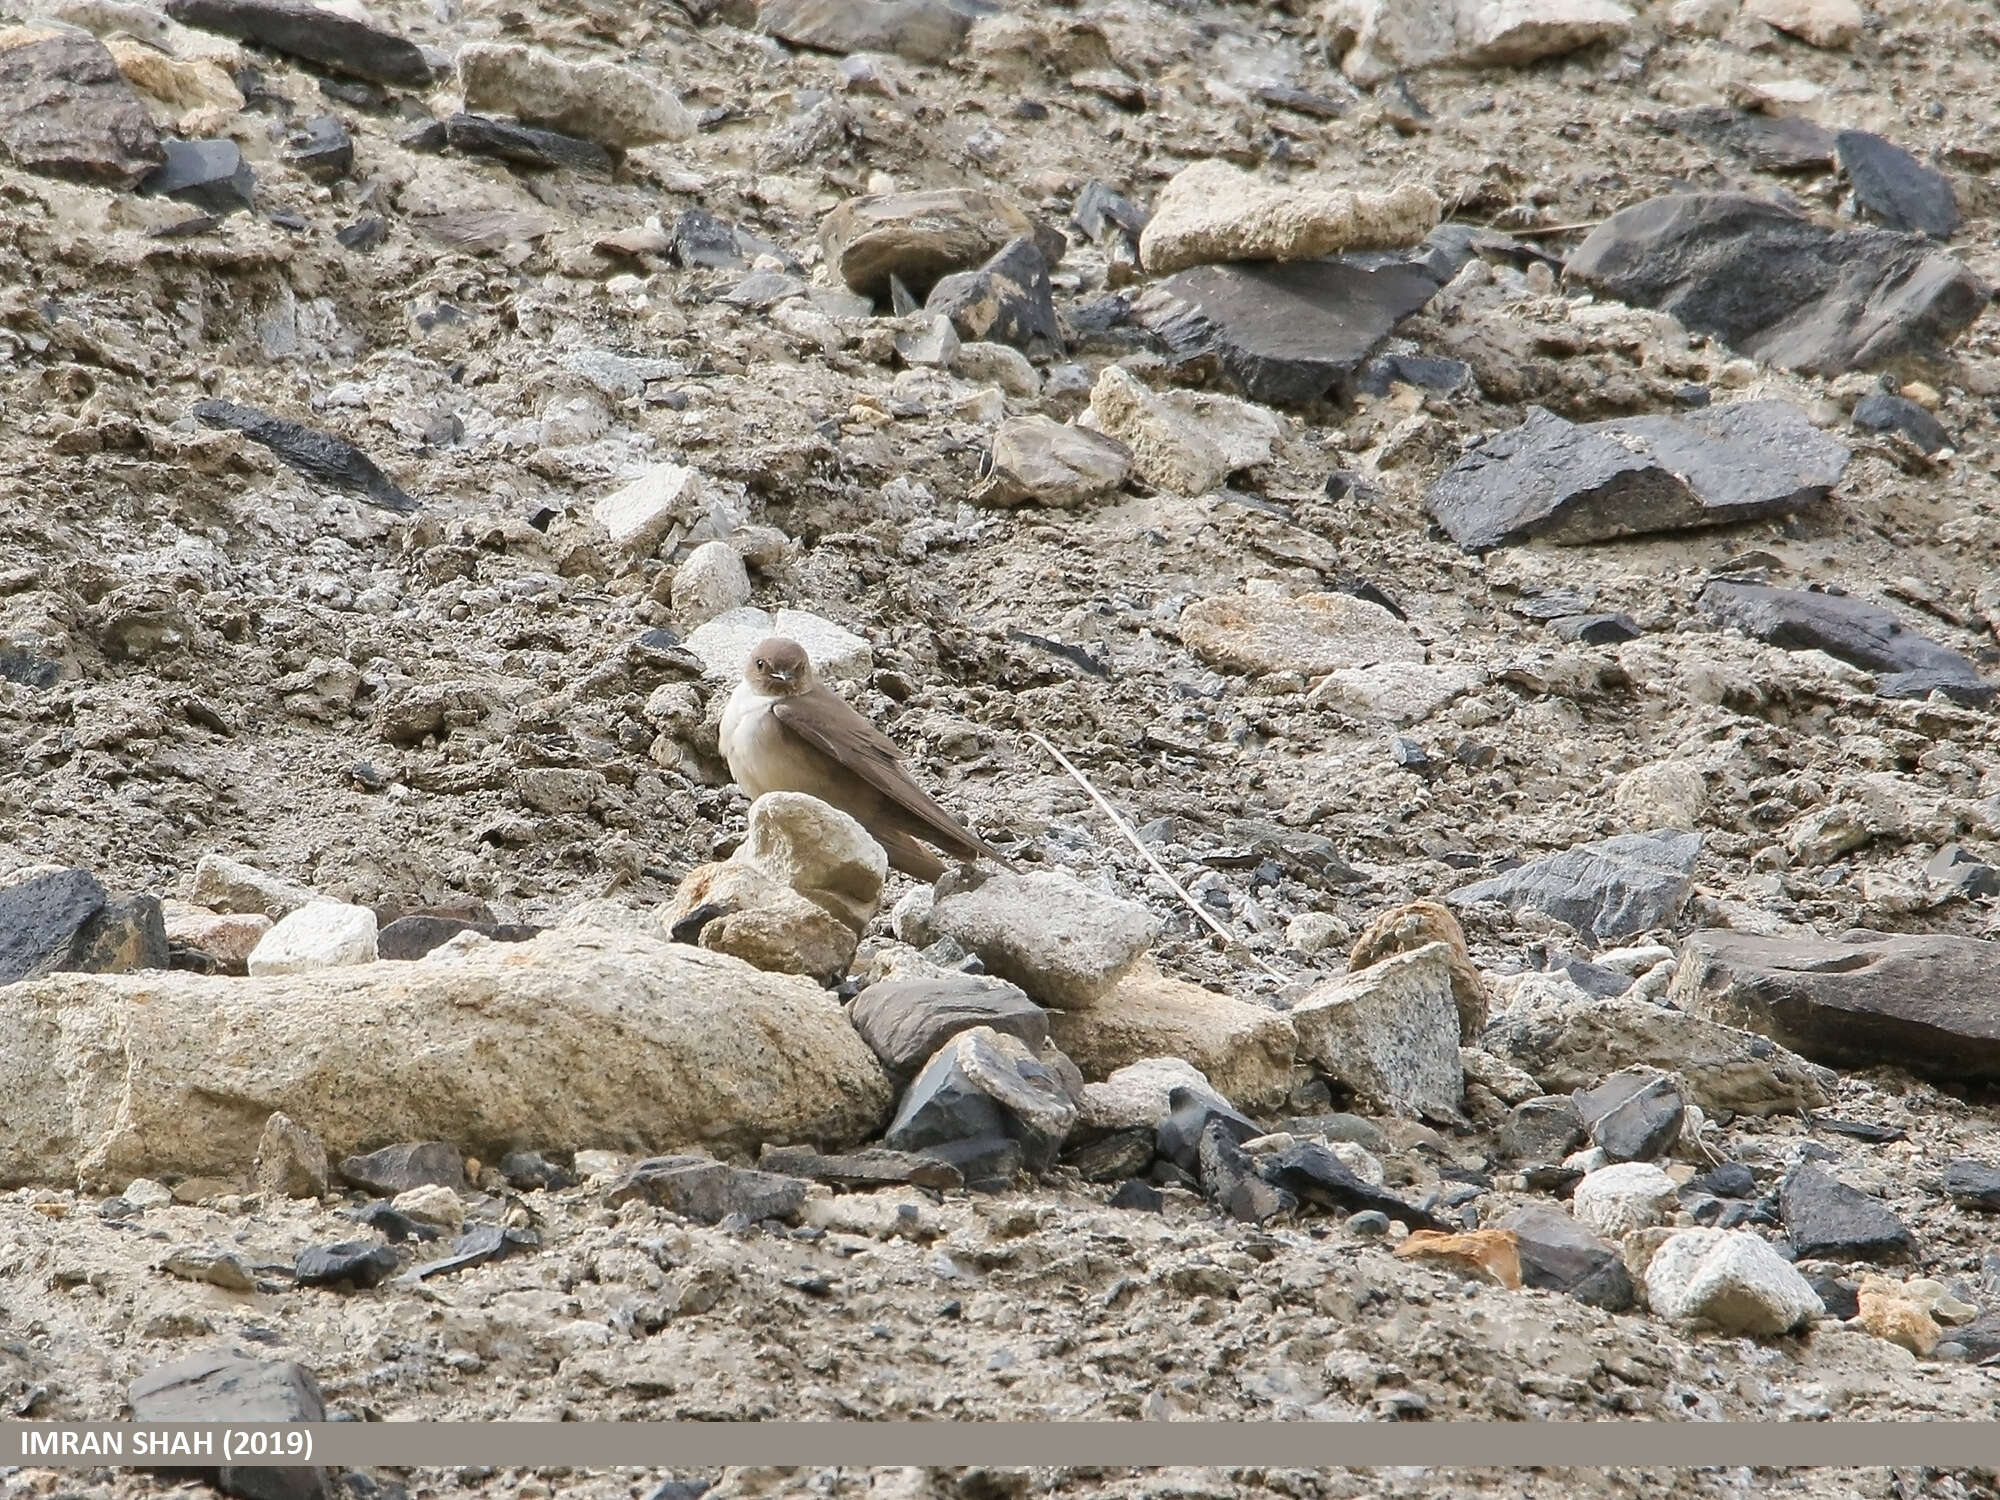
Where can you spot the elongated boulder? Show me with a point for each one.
(579, 1039)
(332, 39)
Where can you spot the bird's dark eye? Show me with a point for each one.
(762, 665)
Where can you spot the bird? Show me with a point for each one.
(783, 730)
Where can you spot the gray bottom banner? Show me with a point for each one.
(1005, 1444)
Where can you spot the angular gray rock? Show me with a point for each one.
(699, 1187)
(1826, 1219)
(66, 110)
(927, 31)
(1731, 1280)
(477, 135)
(1006, 301)
(1313, 1174)
(211, 175)
(1040, 460)
(1543, 1129)
(1560, 1255)
(1634, 1115)
(1871, 637)
(919, 238)
(1613, 888)
(1282, 333)
(223, 1385)
(1895, 189)
(291, 1162)
(906, 1020)
(874, 1166)
(314, 34)
(319, 456)
(984, 1088)
(42, 919)
(1060, 940)
(1571, 1045)
(1917, 1001)
(1562, 482)
(1973, 1184)
(1773, 284)
(1882, 412)
(1389, 1032)
(1230, 1179)
(398, 1169)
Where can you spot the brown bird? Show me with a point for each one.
(784, 731)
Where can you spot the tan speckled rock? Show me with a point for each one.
(1312, 633)
(1168, 449)
(1214, 212)
(597, 100)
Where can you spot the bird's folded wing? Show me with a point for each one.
(832, 727)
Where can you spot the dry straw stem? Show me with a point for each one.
(1147, 855)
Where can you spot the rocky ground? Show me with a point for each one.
(1553, 646)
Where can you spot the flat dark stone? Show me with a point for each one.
(1282, 333)
(414, 1164)
(1560, 481)
(1923, 681)
(1543, 1129)
(1424, 372)
(41, 920)
(1139, 1197)
(126, 936)
(1012, 1099)
(1313, 1174)
(480, 135)
(1917, 1001)
(1956, 868)
(1559, 1254)
(1783, 143)
(29, 668)
(1112, 1158)
(391, 1223)
(298, 29)
(905, 1021)
(1230, 1179)
(1867, 635)
(1828, 1220)
(1596, 630)
(66, 111)
(1099, 209)
(1973, 1184)
(1882, 412)
(1300, 102)
(868, 1167)
(1842, 1298)
(1634, 1115)
(1730, 1180)
(363, 234)
(322, 149)
(1008, 300)
(359, 1263)
(701, 241)
(209, 174)
(319, 456)
(1859, 1130)
(1595, 979)
(698, 1187)
(1894, 188)
(1178, 1136)
(1774, 284)
(528, 1171)
(413, 936)
(224, 1386)
(480, 1244)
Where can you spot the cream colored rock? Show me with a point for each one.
(1403, 692)
(1213, 212)
(1378, 38)
(712, 581)
(597, 100)
(1247, 433)
(576, 1039)
(226, 937)
(319, 935)
(1140, 1094)
(666, 499)
(433, 1203)
(1244, 1049)
(227, 885)
(1313, 633)
(1832, 24)
(1063, 942)
(1168, 449)
(201, 94)
(1665, 794)
(1038, 459)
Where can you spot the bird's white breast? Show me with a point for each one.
(753, 741)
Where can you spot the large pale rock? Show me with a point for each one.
(577, 1040)
(724, 644)
(712, 581)
(1730, 1280)
(1417, 924)
(920, 238)
(1064, 943)
(600, 101)
(1242, 1048)
(1389, 1032)
(1038, 459)
(1212, 212)
(319, 935)
(1614, 1201)
(796, 895)
(227, 885)
(226, 939)
(667, 498)
(1379, 38)
(1614, 888)
(1168, 449)
(1312, 633)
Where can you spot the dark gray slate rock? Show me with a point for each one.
(977, 1090)
(1543, 1129)
(699, 1187)
(1594, 979)
(322, 149)
(209, 174)
(1919, 1001)
(1177, 1138)
(41, 920)
(1313, 1174)
(700, 241)
(1773, 143)
(1773, 284)
(1634, 1115)
(1828, 1220)
(1895, 189)
(1006, 301)
(363, 235)
(1559, 481)
(1596, 630)
(319, 456)
(413, 936)
(1560, 1255)
(1842, 1298)
(1869, 636)
(529, 1171)
(124, 937)
(66, 110)
(1229, 1179)
(413, 1164)
(926, 31)
(870, 1167)
(357, 1263)
(905, 1021)
(1099, 211)
(1281, 333)
(336, 42)
(223, 1385)
(1112, 1158)
(1447, 376)
(1730, 1180)
(1882, 412)
(528, 145)
(1973, 1184)
(1613, 888)
(1139, 1197)
(478, 1245)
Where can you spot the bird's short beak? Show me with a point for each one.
(784, 677)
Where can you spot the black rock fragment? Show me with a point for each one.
(319, 456)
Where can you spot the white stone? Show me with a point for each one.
(1312, 633)
(711, 581)
(1731, 1280)
(319, 935)
(1378, 38)
(724, 643)
(228, 885)
(1212, 211)
(640, 516)
(1169, 450)
(1665, 794)
(996, 364)
(597, 100)
(143, 1192)
(1402, 692)
(1389, 1032)
(432, 1203)
(1615, 1200)
(1060, 940)
(1317, 932)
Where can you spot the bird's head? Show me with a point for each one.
(779, 668)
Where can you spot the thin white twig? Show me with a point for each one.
(1150, 858)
